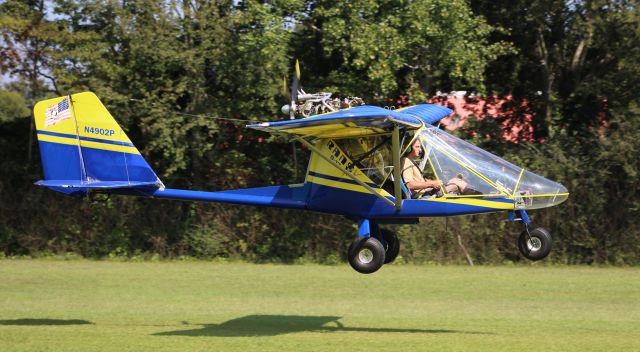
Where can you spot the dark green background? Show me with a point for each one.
(166, 70)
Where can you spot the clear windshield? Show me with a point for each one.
(478, 173)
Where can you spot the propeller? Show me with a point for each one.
(294, 91)
(291, 109)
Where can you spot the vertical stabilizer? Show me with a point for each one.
(82, 147)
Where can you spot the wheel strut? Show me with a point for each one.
(526, 228)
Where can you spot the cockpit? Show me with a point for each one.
(447, 158)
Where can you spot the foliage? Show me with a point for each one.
(378, 49)
(169, 71)
(12, 106)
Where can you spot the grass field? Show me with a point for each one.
(78, 305)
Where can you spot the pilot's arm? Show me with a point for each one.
(413, 177)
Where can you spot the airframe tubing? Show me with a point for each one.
(75, 124)
(395, 151)
(515, 189)
(339, 167)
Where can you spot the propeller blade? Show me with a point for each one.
(294, 91)
(284, 86)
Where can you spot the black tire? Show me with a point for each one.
(392, 244)
(366, 255)
(538, 246)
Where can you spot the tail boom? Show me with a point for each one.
(283, 196)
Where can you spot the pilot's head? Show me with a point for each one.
(415, 151)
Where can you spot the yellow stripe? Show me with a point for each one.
(344, 185)
(332, 131)
(110, 147)
(313, 130)
(476, 195)
(474, 202)
(515, 189)
(55, 139)
(88, 144)
(381, 133)
(543, 195)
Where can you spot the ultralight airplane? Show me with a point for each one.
(354, 169)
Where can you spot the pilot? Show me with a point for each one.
(417, 184)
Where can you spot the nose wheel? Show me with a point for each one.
(535, 243)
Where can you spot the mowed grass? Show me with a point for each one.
(78, 305)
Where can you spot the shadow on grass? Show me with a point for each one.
(270, 325)
(36, 322)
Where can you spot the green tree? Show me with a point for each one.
(12, 106)
(27, 43)
(379, 49)
(577, 63)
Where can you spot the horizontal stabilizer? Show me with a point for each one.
(97, 184)
(81, 188)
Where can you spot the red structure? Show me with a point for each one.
(513, 116)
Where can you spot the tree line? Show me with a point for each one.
(170, 70)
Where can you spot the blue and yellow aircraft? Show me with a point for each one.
(354, 171)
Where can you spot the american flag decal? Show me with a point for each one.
(57, 112)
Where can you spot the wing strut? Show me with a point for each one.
(341, 168)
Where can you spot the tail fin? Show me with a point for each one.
(83, 148)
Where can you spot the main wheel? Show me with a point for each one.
(392, 244)
(536, 244)
(366, 255)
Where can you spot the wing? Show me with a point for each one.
(354, 122)
(428, 113)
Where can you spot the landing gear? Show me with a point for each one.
(535, 244)
(392, 245)
(373, 247)
(366, 255)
